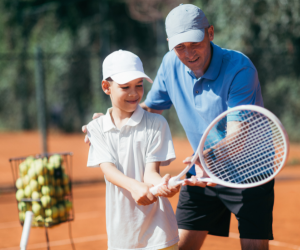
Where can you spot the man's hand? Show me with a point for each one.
(141, 193)
(165, 190)
(84, 129)
(199, 173)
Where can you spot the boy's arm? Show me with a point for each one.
(153, 177)
(139, 191)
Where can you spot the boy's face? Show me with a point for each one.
(127, 96)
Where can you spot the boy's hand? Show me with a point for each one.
(141, 194)
(165, 190)
(84, 129)
(199, 173)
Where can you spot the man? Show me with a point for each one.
(202, 80)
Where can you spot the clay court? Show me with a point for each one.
(88, 228)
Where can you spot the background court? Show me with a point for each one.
(88, 228)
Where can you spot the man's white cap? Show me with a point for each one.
(123, 66)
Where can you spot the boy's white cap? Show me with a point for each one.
(123, 66)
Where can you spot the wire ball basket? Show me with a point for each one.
(43, 185)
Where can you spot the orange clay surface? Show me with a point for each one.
(88, 228)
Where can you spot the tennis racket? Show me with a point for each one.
(243, 147)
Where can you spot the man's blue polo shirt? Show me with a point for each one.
(230, 80)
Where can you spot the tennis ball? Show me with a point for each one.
(34, 185)
(21, 216)
(29, 160)
(20, 194)
(36, 209)
(66, 190)
(50, 168)
(35, 195)
(53, 201)
(56, 160)
(59, 191)
(65, 179)
(45, 190)
(52, 190)
(19, 183)
(27, 191)
(40, 169)
(57, 182)
(31, 173)
(61, 210)
(46, 201)
(25, 180)
(23, 167)
(68, 205)
(22, 206)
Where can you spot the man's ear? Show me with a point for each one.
(211, 32)
(106, 87)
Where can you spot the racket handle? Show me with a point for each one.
(26, 230)
(154, 189)
(203, 179)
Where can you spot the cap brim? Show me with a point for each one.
(193, 36)
(125, 77)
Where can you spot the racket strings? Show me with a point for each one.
(235, 168)
(225, 150)
(245, 167)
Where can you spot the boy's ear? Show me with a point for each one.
(106, 87)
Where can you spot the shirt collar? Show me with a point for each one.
(215, 64)
(134, 120)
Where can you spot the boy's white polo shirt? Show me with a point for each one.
(145, 138)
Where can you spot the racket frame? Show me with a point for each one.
(261, 110)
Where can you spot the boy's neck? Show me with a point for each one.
(119, 117)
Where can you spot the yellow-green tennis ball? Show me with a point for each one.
(46, 201)
(57, 182)
(35, 195)
(28, 191)
(59, 191)
(23, 167)
(32, 173)
(45, 190)
(52, 190)
(68, 205)
(41, 180)
(21, 216)
(19, 183)
(20, 194)
(66, 190)
(61, 210)
(22, 206)
(50, 168)
(34, 185)
(65, 179)
(36, 209)
(25, 180)
(53, 201)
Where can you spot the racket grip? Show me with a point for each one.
(203, 179)
(26, 230)
(154, 189)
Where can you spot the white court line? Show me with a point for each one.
(271, 242)
(104, 236)
(78, 216)
(61, 242)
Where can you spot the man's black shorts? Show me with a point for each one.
(209, 209)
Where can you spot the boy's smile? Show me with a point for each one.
(125, 97)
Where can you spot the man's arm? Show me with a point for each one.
(139, 191)
(153, 177)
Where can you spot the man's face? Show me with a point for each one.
(196, 56)
(126, 97)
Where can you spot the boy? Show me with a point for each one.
(130, 144)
